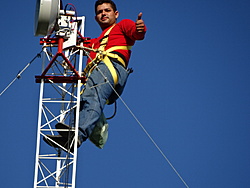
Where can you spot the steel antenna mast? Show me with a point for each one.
(59, 98)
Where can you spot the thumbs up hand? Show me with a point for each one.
(140, 26)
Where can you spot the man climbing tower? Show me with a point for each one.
(111, 71)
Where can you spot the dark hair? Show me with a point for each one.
(100, 2)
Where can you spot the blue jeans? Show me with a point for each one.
(97, 92)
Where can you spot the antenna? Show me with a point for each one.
(47, 12)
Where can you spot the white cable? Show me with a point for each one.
(152, 140)
(143, 128)
(18, 76)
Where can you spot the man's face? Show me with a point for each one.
(105, 15)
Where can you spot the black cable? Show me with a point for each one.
(115, 110)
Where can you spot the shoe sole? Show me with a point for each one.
(63, 142)
(68, 133)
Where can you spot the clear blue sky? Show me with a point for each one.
(190, 90)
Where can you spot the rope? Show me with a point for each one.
(143, 128)
(18, 76)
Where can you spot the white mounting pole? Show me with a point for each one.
(78, 105)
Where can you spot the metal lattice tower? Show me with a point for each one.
(59, 101)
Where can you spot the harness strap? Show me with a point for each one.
(111, 68)
(105, 55)
(109, 53)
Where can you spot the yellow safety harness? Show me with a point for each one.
(102, 55)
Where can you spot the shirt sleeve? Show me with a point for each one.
(129, 29)
(89, 43)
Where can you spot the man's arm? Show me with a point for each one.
(135, 30)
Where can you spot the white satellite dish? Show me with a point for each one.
(47, 12)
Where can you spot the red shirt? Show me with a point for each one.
(122, 34)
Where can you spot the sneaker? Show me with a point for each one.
(69, 131)
(61, 141)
